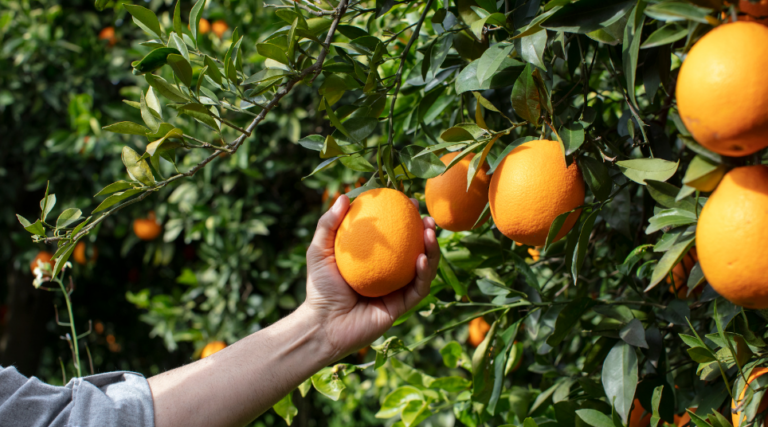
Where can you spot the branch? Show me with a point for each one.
(234, 145)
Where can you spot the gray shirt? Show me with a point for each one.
(114, 399)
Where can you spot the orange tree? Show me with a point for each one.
(607, 335)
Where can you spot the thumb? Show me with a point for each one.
(325, 234)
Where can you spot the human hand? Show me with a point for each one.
(352, 321)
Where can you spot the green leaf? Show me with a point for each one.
(492, 59)
(596, 175)
(568, 318)
(585, 16)
(525, 97)
(324, 165)
(115, 198)
(128, 128)
(285, 408)
(269, 74)
(448, 276)
(137, 169)
(176, 41)
(451, 384)
(62, 259)
(46, 205)
(478, 162)
(396, 401)
(313, 142)
(633, 334)
(165, 89)
(672, 257)
(201, 113)
(146, 114)
(273, 52)
(146, 19)
(554, 229)
(177, 25)
(670, 218)
(703, 173)
(572, 135)
(213, 71)
(580, 252)
(194, 19)
(36, 228)
(181, 68)
(464, 132)
(665, 194)
(667, 34)
(639, 170)
(452, 354)
(595, 418)
(164, 143)
(358, 163)
(630, 48)
(531, 48)
(655, 401)
(328, 383)
(415, 412)
(334, 119)
(679, 11)
(619, 378)
(423, 166)
(68, 217)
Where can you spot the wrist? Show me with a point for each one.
(309, 319)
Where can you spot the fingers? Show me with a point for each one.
(426, 268)
(325, 234)
(415, 202)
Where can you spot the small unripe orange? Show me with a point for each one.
(204, 26)
(79, 254)
(219, 27)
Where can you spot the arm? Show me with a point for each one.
(235, 385)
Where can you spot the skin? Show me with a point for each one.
(235, 385)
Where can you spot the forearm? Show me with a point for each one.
(235, 385)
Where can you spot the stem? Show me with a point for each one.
(72, 326)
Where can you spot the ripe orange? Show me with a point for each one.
(530, 188)
(147, 228)
(448, 201)
(203, 27)
(43, 257)
(212, 347)
(754, 12)
(756, 372)
(722, 92)
(219, 27)
(79, 253)
(638, 417)
(534, 253)
(680, 274)
(378, 242)
(731, 236)
(478, 327)
(108, 34)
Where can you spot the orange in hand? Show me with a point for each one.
(379, 241)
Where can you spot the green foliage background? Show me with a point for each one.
(482, 77)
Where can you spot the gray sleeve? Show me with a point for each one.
(114, 399)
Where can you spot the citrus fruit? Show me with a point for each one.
(722, 92)
(43, 257)
(731, 236)
(515, 357)
(680, 273)
(80, 256)
(379, 241)
(638, 417)
(108, 34)
(534, 253)
(449, 203)
(219, 27)
(478, 327)
(147, 228)
(756, 372)
(204, 27)
(530, 188)
(754, 12)
(212, 347)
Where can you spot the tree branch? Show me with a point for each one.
(232, 147)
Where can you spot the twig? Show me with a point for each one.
(234, 145)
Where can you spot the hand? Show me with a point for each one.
(350, 320)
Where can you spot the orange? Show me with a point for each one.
(108, 34)
(212, 347)
(534, 253)
(449, 203)
(680, 274)
(478, 327)
(378, 242)
(638, 417)
(147, 228)
(530, 188)
(756, 372)
(203, 27)
(43, 257)
(754, 12)
(219, 27)
(731, 236)
(79, 253)
(722, 92)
